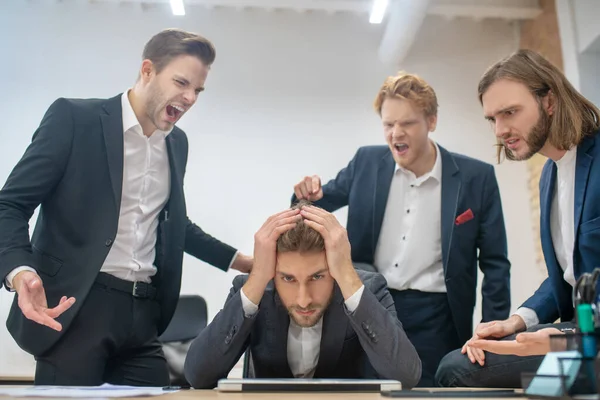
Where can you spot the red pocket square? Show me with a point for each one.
(464, 217)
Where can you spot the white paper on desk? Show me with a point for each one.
(104, 391)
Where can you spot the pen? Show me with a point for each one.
(177, 387)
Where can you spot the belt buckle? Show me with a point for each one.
(139, 289)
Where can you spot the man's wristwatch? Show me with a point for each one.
(569, 330)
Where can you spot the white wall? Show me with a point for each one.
(580, 42)
(289, 95)
(586, 14)
(589, 66)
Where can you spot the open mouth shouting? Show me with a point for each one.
(174, 112)
(400, 148)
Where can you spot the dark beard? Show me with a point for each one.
(536, 139)
(316, 320)
(302, 323)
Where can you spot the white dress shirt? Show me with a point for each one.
(562, 225)
(304, 344)
(145, 190)
(409, 250)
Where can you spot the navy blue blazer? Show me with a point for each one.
(467, 183)
(553, 299)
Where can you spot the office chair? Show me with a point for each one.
(190, 317)
(248, 369)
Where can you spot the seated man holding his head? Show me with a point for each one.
(305, 312)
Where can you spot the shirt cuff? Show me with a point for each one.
(249, 307)
(354, 300)
(11, 275)
(233, 260)
(529, 316)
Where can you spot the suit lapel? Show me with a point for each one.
(546, 195)
(335, 323)
(385, 172)
(582, 173)
(165, 227)
(176, 174)
(277, 337)
(451, 185)
(112, 128)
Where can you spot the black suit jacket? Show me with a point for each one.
(366, 343)
(73, 168)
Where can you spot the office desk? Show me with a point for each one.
(215, 395)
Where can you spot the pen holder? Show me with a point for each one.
(576, 341)
(571, 368)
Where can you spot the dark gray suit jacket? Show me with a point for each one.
(367, 343)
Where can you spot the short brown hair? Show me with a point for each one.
(301, 238)
(408, 87)
(574, 117)
(168, 44)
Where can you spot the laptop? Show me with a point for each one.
(307, 385)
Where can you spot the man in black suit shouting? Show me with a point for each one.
(112, 227)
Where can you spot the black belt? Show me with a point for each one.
(140, 290)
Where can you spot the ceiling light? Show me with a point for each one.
(378, 11)
(177, 7)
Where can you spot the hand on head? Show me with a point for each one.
(309, 188)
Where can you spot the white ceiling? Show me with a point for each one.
(506, 9)
(401, 24)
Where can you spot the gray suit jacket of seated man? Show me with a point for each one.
(368, 343)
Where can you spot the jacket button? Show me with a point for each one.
(108, 242)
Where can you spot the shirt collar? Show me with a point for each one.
(568, 158)
(129, 118)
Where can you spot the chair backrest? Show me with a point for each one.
(190, 317)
